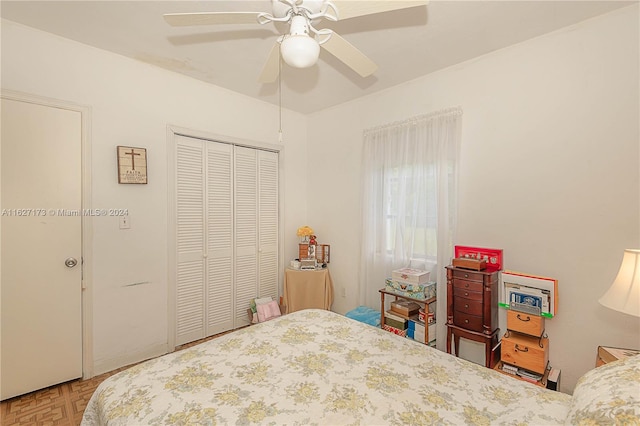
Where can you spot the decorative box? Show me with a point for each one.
(394, 330)
(521, 322)
(414, 291)
(395, 321)
(422, 316)
(468, 263)
(410, 275)
(493, 257)
(530, 353)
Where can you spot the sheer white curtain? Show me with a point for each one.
(408, 199)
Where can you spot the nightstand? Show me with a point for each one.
(608, 354)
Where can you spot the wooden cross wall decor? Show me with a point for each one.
(132, 165)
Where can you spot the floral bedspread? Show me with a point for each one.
(316, 367)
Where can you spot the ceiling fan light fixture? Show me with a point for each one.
(300, 50)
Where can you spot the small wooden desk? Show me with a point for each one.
(304, 289)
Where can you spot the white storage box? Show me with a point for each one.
(410, 275)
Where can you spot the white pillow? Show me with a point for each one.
(608, 395)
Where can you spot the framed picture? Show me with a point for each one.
(322, 253)
(132, 164)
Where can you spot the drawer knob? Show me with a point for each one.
(466, 276)
(524, 320)
(466, 305)
(466, 321)
(466, 285)
(519, 349)
(466, 294)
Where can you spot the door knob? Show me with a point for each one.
(70, 262)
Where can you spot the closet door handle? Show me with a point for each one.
(70, 262)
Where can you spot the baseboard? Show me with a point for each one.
(106, 365)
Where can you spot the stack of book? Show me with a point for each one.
(396, 319)
(522, 373)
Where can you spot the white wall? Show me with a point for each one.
(549, 170)
(550, 165)
(132, 104)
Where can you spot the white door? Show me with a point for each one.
(246, 232)
(41, 315)
(268, 219)
(226, 221)
(219, 215)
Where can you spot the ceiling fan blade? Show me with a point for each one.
(272, 66)
(211, 18)
(352, 57)
(354, 8)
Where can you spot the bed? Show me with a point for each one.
(316, 367)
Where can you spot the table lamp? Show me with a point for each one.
(624, 294)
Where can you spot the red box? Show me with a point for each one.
(492, 256)
(394, 330)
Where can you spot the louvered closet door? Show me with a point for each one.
(190, 239)
(268, 231)
(227, 234)
(219, 223)
(246, 235)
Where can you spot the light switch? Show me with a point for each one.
(124, 222)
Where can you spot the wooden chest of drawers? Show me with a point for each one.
(472, 308)
(472, 299)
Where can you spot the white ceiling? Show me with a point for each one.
(405, 44)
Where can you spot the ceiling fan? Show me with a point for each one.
(300, 47)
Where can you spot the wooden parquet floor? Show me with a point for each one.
(59, 405)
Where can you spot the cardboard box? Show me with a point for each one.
(405, 308)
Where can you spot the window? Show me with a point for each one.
(408, 198)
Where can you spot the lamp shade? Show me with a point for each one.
(300, 50)
(624, 293)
